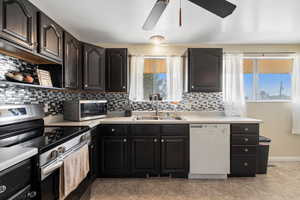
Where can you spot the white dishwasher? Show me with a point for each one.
(209, 151)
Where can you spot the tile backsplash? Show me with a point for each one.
(53, 99)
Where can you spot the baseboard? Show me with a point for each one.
(207, 176)
(284, 159)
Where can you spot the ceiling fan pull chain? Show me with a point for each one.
(180, 15)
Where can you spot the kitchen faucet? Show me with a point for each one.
(155, 97)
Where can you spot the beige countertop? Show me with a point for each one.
(188, 119)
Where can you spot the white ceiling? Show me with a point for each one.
(120, 21)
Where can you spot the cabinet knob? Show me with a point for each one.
(124, 87)
(162, 140)
(246, 150)
(246, 129)
(155, 140)
(245, 164)
(192, 87)
(86, 85)
(113, 130)
(246, 139)
(125, 140)
(2, 189)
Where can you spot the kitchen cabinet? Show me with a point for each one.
(114, 157)
(50, 37)
(72, 62)
(116, 70)
(145, 150)
(93, 67)
(174, 155)
(114, 147)
(145, 156)
(93, 150)
(204, 67)
(18, 23)
(244, 144)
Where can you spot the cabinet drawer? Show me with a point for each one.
(174, 130)
(245, 166)
(243, 150)
(146, 130)
(114, 130)
(15, 178)
(245, 128)
(245, 139)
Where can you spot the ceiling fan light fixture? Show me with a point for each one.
(157, 39)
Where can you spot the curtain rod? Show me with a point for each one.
(260, 52)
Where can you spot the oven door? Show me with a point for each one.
(93, 110)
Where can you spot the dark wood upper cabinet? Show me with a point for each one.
(116, 70)
(50, 38)
(72, 62)
(18, 22)
(93, 67)
(205, 70)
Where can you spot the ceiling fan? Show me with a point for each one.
(221, 8)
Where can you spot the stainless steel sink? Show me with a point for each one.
(157, 118)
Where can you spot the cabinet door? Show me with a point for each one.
(72, 62)
(50, 38)
(116, 70)
(205, 70)
(114, 156)
(93, 161)
(94, 68)
(18, 22)
(174, 155)
(145, 156)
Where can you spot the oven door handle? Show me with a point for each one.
(49, 169)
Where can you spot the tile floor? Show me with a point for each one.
(281, 183)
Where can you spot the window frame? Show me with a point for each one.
(255, 85)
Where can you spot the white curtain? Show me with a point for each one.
(174, 78)
(296, 95)
(233, 85)
(136, 92)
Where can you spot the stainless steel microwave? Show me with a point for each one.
(81, 110)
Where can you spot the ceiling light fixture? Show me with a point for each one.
(157, 39)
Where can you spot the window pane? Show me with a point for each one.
(274, 79)
(155, 78)
(248, 86)
(274, 87)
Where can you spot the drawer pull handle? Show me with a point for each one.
(155, 140)
(2, 189)
(125, 140)
(246, 150)
(246, 129)
(113, 130)
(162, 140)
(246, 164)
(246, 139)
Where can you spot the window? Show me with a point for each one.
(155, 77)
(267, 79)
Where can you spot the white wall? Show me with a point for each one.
(276, 116)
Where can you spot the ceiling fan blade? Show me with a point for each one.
(221, 8)
(155, 14)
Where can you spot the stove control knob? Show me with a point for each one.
(53, 154)
(83, 138)
(61, 150)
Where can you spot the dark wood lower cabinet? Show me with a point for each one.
(145, 156)
(114, 156)
(143, 150)
(174, 156)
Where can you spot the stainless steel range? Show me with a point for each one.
(23, 125)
